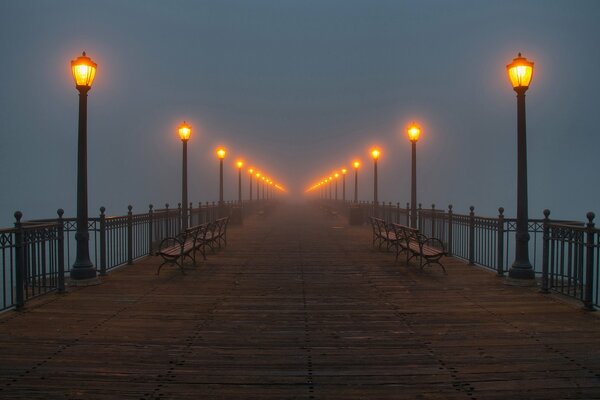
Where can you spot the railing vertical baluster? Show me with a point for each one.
(500, 242)
(450, 252)
(129, 235)
(407, 214)
(589, 263)
(167, 232)
(19, 262)
(432, 233)
(472, 236)
(102, 241)
(150, 229)
(179, 217)
(420, 218)
(546, 253)
(60, 284)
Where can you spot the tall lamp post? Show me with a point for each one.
(84, 71)
(344, 172)
(240, 164)
(375, 153)
(221, 152)
(263, 187)
(336, 176)
(330, 179)
(356, 165)
(251, 172)
(184, 134)
(257, 187)
(520, 72)
(413, 135)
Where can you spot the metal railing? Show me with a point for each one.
(565, 258)
(36, 255)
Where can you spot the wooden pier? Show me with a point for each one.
(300, 306)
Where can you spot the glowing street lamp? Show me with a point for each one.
(257, 184)
(184, 134)
(375, 153)
(240, 164)
(221, 152)
(344, 172)
(520, 72)
(263, 186)
(330, 179)
(413, 135)
(84, 71)
(356, 165)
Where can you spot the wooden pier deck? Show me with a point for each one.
(298, 306)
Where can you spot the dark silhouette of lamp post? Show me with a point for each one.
(257, 186)
(263, 187)
(336, 176)
(221, 152)
(84, 71)
(344, 172)
(240, 164)
(250, 172)
(413, 135)
(356, 165)
(330, 180)
(520, 72)
(184, 134)
(375, 153)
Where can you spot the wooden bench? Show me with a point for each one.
(174, 250)
(415, 244)
(382, 234)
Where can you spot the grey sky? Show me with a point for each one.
(299, 88)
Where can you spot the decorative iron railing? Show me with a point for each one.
(35, 255)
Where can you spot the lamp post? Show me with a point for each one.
(257, 188)
(520, 72)
(251, 172)
(221, 152)
(344, 172)
(84, 71)
(330, 179)
(356, 165)
(336, 176)
(184, 134)
(413, 135)
(375, 153)
(240, 164)
(263, 187)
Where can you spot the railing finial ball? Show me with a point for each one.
(102, 209)
(472, 208)
(18, 215)
(449, 206)
(501, 210)
(150, 206)
(546, 213)
(130, 207)
(60, 212)
(590, 216)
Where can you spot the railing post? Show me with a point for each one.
(102, 241)
(450, 230)
(129, 235)
(150, 228)
(179, 217)
(191, 216)
(19, 262)
(407, 214)
(500, 243)
(420, 218)
(588, 301)
(471, 236)
(167, 223)
(432, 220)
(61, 251)
(398, 212)
(546, 254)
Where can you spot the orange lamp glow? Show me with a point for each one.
(520, 72)
(414, 132)
(375, 153)
(258, 174)
(184, 131)
(221, 152)
(251, 171)
(240, 164)
(84, 71)
(336, 175)
(263, 178)
(356, 164)
(344, 171)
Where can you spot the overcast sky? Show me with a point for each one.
(298, 89)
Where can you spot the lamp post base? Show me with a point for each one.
(521, 272)
(83, 272)
(84, 282)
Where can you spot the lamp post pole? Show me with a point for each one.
(221, 182)
(344, 171)
(520, 72)
(239, 164)
(184, 194)
(356, 165)
(84, 70)
(413, 135)
(336, 186)
(251, 171)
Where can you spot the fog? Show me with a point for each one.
(298, 89)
